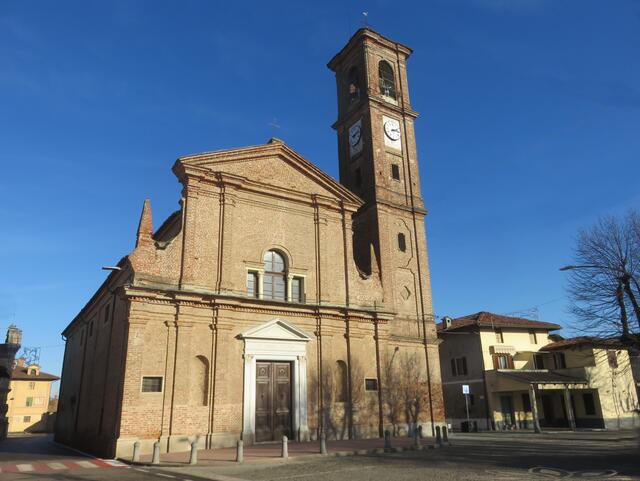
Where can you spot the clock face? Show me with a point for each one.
(392, 129)
(355, 134)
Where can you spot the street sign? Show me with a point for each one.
(465, 389)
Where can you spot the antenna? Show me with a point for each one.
(275, 126)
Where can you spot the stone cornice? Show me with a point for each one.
(241, 304)
(369, 37)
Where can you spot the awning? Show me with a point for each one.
(502, 349)
(541, 376)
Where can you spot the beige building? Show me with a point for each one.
(517, 373)
(276, 300)
(28, 402)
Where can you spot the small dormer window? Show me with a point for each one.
(387, 80)
(32, 371)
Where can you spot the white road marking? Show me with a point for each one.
(57, 466)
(23, 468)
(114, 462)
(165, 475)
(86, 464)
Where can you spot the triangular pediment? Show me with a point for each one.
(272, 164)
(276, 329)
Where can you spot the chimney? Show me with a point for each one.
(447, 322)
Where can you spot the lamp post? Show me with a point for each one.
(624, 283)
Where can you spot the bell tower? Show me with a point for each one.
(378, 161)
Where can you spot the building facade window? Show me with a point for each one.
(538, 361)
(589, 404)
(503, 361)
(297, 289)
(459, 366)
(152, 384)
(371, 384)
(559, 361)
(612, 357)
(252, 284)
(533, 339)
(402, 242)
(26, 419)
(29, 402)
(275, 277)
(32, 385)
(499, 336)
(387, 80)
(395, 171)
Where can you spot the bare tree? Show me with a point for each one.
(603, 284)
(405, 392)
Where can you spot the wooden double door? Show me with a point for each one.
(273, 400)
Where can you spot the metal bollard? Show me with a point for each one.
(445, 436)
(240, 451)
(155, 459)
(193, 458)
(387, 441)
(416, 437)
(438, 437)
(136, 452)
(323, 444)
(285, 447)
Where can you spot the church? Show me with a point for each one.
(276, 300)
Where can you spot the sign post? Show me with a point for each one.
(465, 391)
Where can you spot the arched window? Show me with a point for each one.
(354, 85)
(275, 277)
(341, 384)
(402, 243)
(200, 373)
(387, 81)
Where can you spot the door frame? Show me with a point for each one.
(276, 340)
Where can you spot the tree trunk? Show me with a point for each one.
(632, 297)
(623, 310)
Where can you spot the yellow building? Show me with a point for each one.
(28, 402)
(518, 376)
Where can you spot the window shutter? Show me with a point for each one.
(453, 367)
(464, 366)
(495, 361)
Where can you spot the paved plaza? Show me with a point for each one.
(479, 456)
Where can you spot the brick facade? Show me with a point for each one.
(178, 306)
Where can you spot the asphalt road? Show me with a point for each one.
(495, 457)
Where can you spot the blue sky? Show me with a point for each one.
(529, 130)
